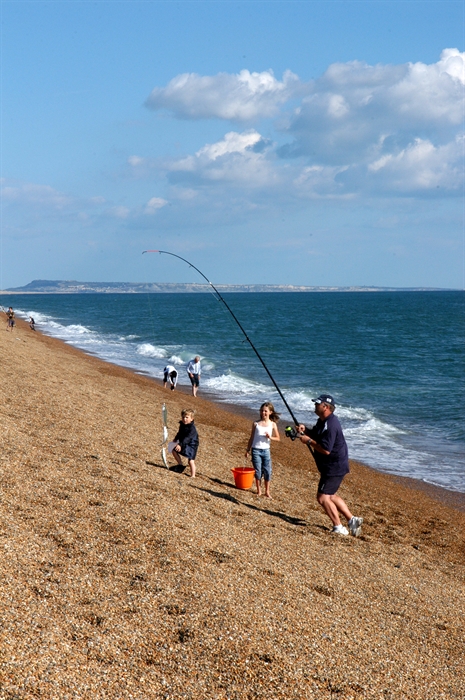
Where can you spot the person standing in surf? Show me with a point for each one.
(263, 431)
(186, 440)
(194, 370)
(327, 444)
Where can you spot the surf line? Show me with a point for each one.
(220, 298)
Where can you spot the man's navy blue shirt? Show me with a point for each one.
(328, 434)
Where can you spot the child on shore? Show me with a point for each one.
(186, 440)
(263, 431)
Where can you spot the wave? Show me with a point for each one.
(37, 316)
(149, 350)
(233, 385)
(176, 360)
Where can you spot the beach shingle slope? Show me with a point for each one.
(121, 579)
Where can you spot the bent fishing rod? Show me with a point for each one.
(220, 298)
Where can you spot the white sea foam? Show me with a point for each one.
(176, 360)
(36, 315)
(231, 384)
(149, 350)
(184, 356)
(77, 329)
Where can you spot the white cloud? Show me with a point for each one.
(320, 181)
(381, 129)
(154, 204)
(31, 194)
(185, 194)
(135, 161)
(232, 143)
(119, 212)
(239, 159)
(356, 111)
(432, 93)
(421, 166)
(242, 97)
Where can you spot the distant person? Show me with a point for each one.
(194, 370)
(32, 323)
(186, 440)
(170, 374)
(263, 431)
(329, 449)
(10, 316)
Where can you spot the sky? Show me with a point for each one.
(301, 143)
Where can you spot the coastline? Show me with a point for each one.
(107, 328)
(121, 579)
(452, 499)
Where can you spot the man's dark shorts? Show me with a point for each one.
(194, 379)
(329, 485)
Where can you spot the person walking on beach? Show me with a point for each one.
(170, 374)
(194, 370)
(327, 444)
(32, 323)
(186, 440)
(263, 431)
(10, 315)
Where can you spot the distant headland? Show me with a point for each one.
(74, 287)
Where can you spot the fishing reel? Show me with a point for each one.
(291, 432)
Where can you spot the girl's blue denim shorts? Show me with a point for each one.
(261, 460)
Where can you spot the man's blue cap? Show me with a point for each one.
(325, 398)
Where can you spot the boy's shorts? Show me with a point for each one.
(329, 485)
(189, 451)
(261, 460)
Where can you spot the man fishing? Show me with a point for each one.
(328, 446)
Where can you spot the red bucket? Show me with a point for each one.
(243, 477)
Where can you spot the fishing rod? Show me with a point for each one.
(220, 298)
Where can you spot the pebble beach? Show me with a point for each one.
(122, 579)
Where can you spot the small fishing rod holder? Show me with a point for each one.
(220, 298)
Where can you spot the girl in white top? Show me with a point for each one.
(263, 431)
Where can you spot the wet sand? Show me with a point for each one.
(121, 579)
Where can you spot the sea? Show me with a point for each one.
(394, 361)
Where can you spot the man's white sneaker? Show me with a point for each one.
(340, 530)
(355, 526)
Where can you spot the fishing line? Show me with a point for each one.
(220, 298)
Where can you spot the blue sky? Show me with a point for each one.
(310, 143)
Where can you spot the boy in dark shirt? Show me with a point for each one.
(187, 440)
